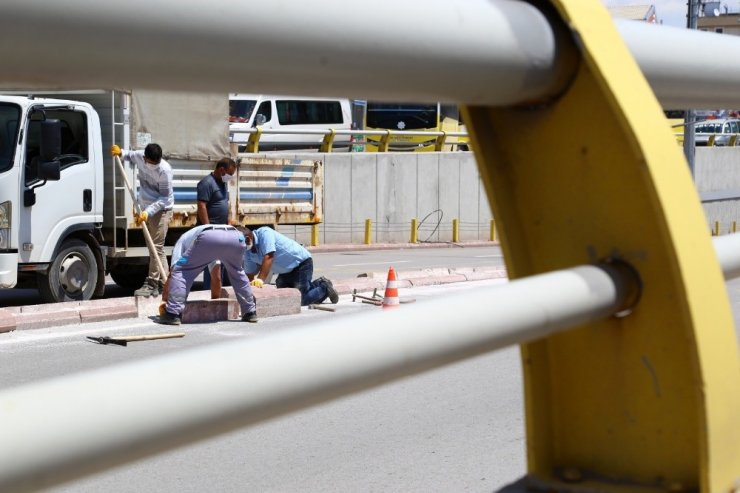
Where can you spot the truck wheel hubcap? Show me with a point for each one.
(73, 274)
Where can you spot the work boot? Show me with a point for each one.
(250, 317)
(149, 288)
(330, 291)
(168, 319)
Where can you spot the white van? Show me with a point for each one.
(288, 112)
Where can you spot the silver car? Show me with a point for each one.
(722, 129)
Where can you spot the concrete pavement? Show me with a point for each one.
(270, 301)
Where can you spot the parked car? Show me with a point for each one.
(722, 129)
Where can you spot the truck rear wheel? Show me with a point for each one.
(72, 275)
(129, 276)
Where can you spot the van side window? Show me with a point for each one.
(74, 140)
(309, 112)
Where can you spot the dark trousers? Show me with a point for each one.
(300, 278)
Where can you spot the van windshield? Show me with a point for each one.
(9, 117)
(240, 110)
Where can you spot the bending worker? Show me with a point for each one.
(196, 249)
(271, 250)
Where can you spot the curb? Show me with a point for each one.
(271, 302)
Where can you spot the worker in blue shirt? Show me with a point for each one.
(272, 251)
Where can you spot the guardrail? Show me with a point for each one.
(438, 139)
(630, 393)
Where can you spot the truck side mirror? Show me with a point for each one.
(259, 120)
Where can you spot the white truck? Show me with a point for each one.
(65, 216)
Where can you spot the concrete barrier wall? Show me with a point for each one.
(717, 176)
(391, 189)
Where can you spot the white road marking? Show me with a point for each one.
(488, 256)
(390, 262)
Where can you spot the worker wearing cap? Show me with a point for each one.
(272, 251)
(156, 200)
(198, 248)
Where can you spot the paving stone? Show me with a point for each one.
(7, 320)
(41, 320)
(126, 308)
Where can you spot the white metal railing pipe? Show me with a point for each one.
(288, 131)
(477, 51)
(728, 254)
(685, 68)
(137, 409)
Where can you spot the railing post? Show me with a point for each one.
(368, 231)
(253, 144)
(607, 400)
(314, 235)
(385, 141)
(328, 142)
(440, 142)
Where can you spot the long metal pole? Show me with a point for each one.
(476, 52)
(134, 410)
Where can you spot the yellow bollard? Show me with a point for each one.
(414, 232)
(455, 231)
(368, 231)
(734, 226)
(716, 228)
(314, 235)
(492, 235)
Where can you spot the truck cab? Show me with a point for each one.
(50, 204)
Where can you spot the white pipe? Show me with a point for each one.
(112, 415)
(478, 51)
(728, 254)
(686, 68)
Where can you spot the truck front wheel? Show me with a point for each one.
(72, 275)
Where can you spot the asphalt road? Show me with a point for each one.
(335, 265)
(452, 429)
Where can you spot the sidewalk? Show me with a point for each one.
(271, 302)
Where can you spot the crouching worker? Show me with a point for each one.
(272, 251)
(200, 247)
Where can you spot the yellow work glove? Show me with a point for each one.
(140, 218)
(257, 282)
(115, 150)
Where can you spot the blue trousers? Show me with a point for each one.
(226, 245)
(300, 278)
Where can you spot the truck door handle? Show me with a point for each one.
(87, 200)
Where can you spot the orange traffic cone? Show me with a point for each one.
(391, 291)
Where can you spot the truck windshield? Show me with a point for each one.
(9, 117)
(240, 110)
